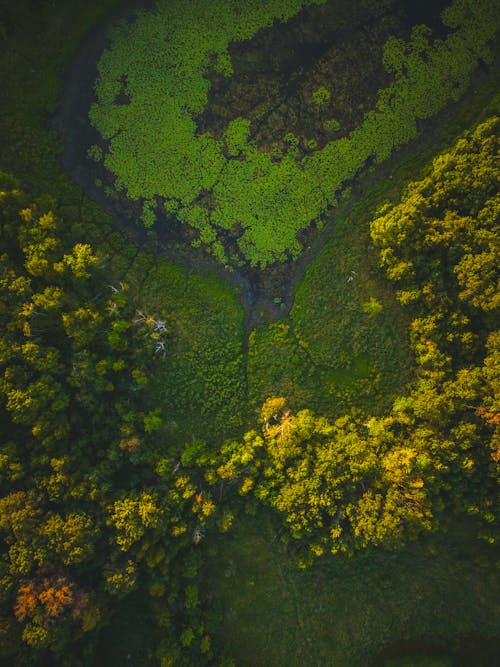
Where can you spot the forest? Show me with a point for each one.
(249, 333)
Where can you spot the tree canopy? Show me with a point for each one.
(90, 507)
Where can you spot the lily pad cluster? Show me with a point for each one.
(228, 187)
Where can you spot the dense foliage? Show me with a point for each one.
(92, 502)
(147, 97)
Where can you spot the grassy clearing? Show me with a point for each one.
(341, 611)
(346, 317)
(278, 366)
(201, 385)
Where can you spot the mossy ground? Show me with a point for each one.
(202, 381)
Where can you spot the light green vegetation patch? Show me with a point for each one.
(154, 149)
(229, 185)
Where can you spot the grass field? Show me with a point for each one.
(202, 385)
(342, 611)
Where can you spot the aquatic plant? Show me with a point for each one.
(228, 185)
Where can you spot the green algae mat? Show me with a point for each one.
(245, 203)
